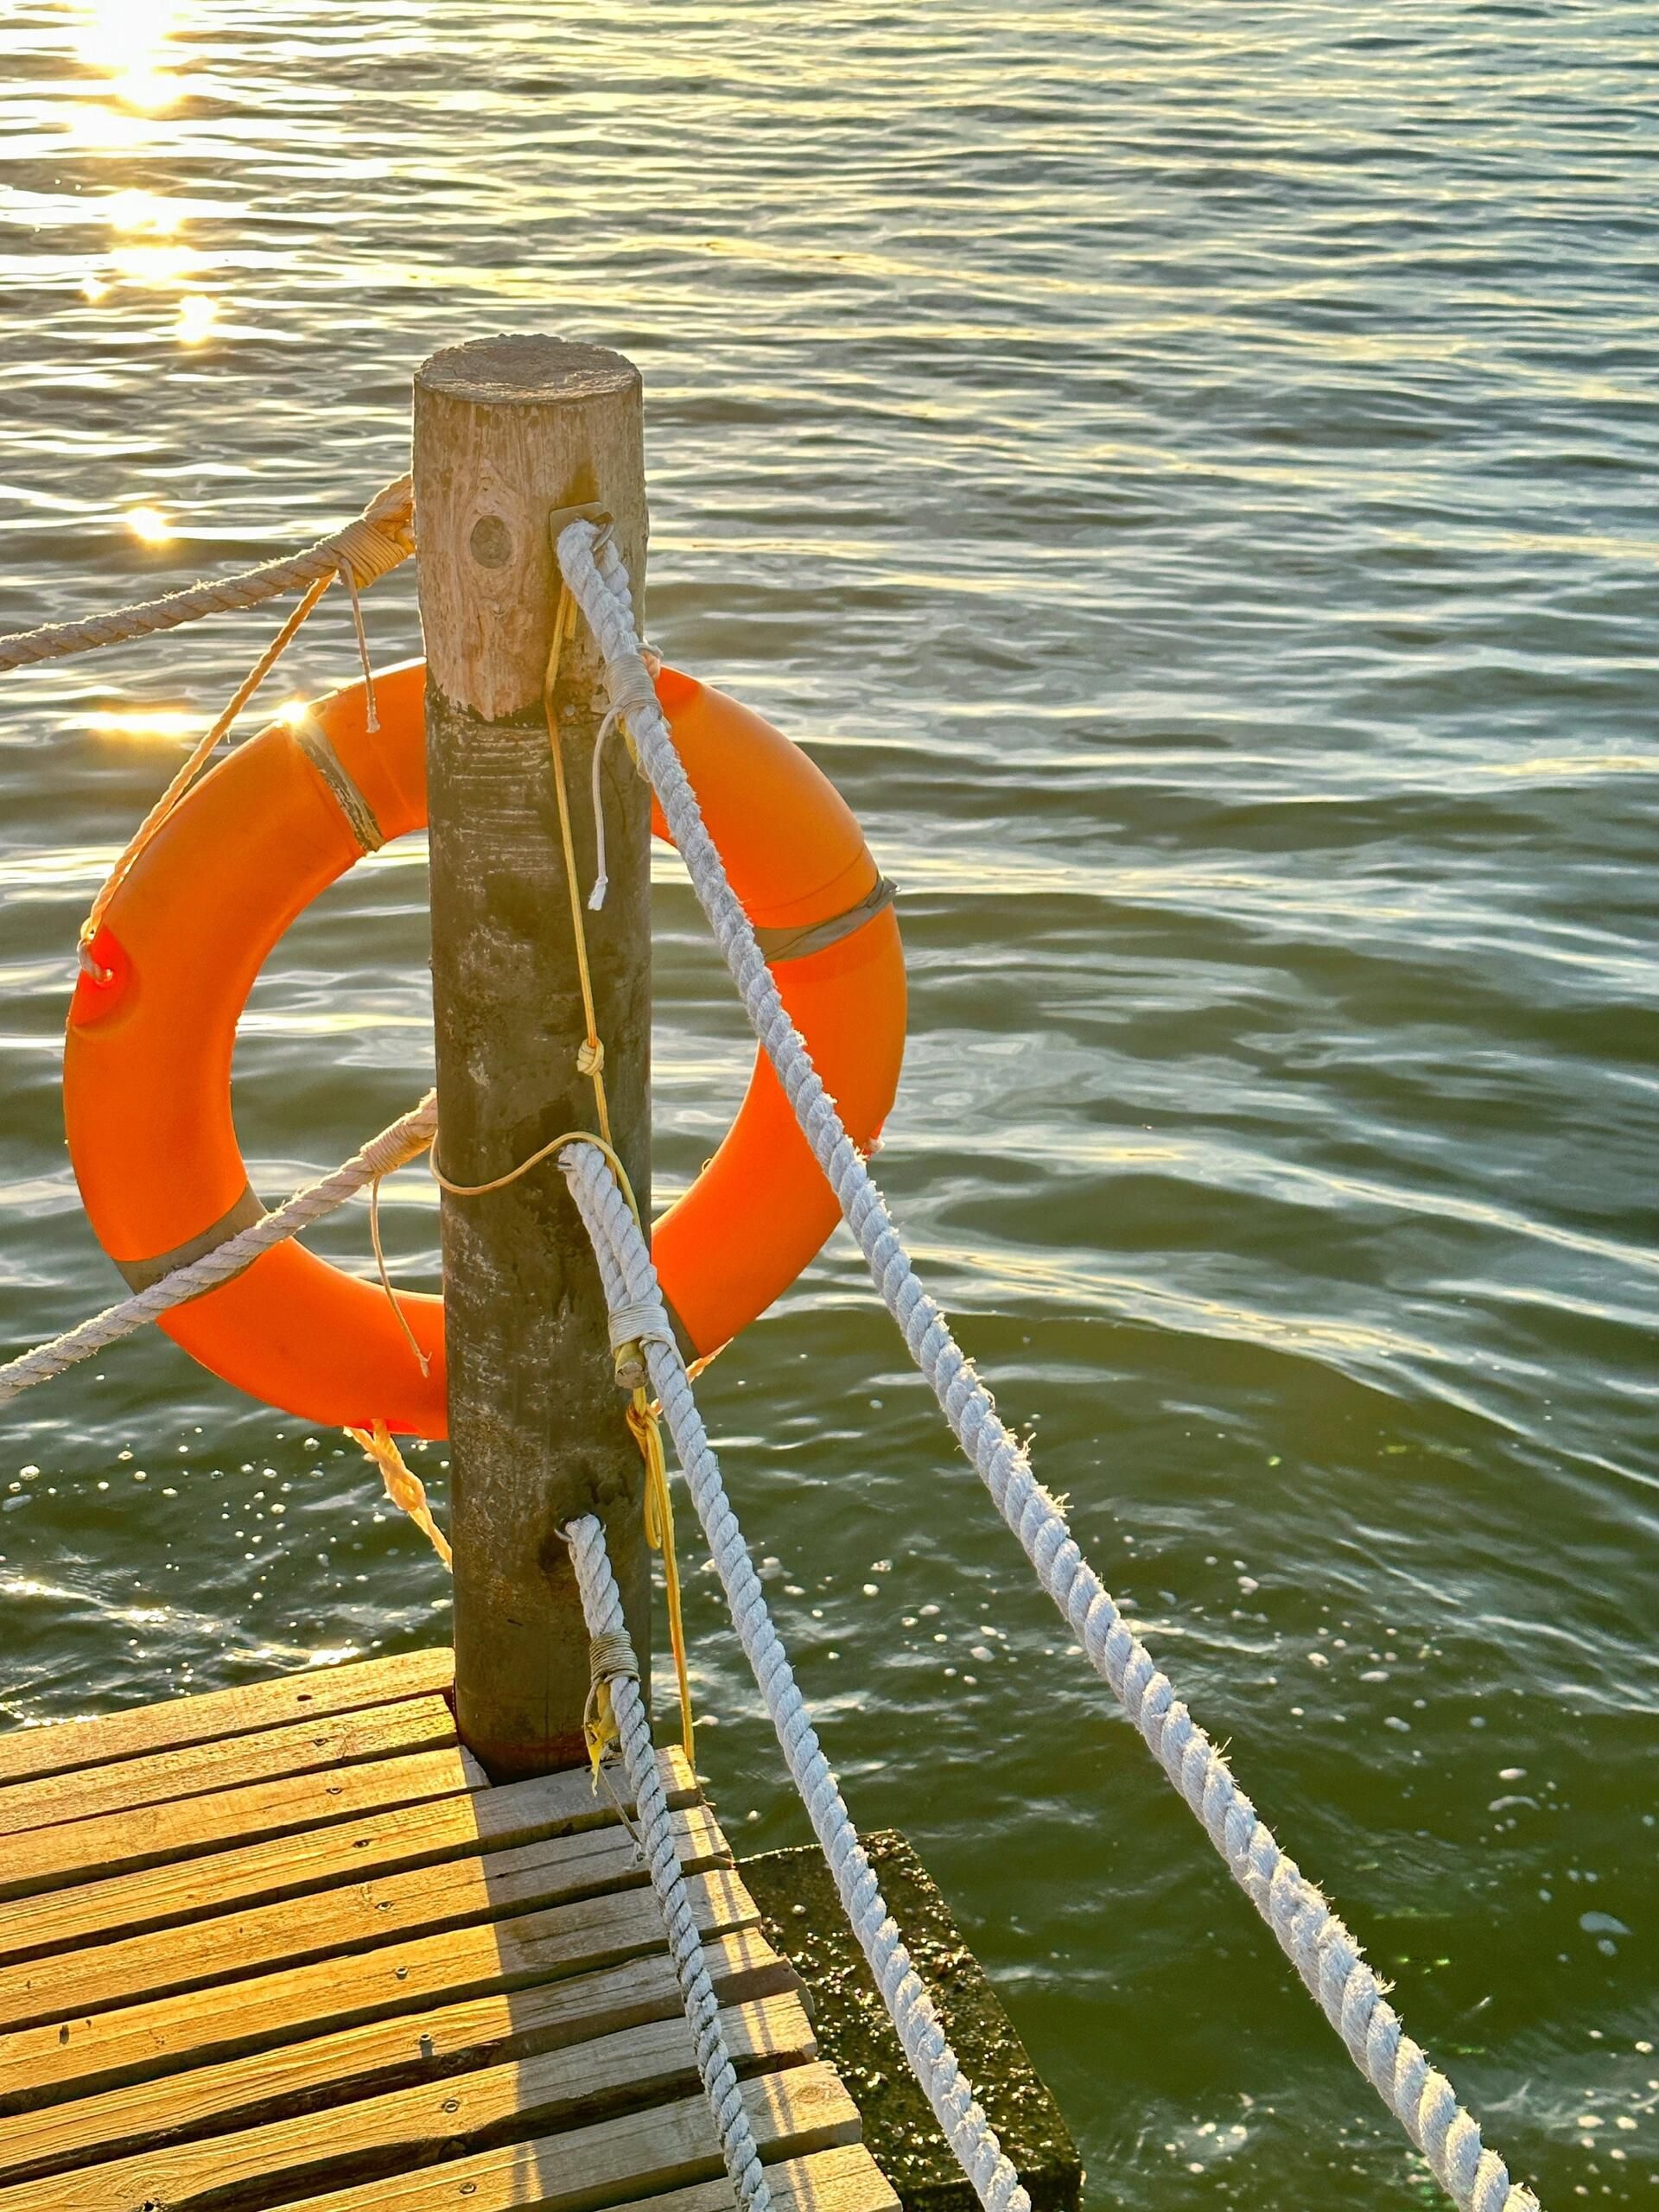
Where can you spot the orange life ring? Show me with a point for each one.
(147, 1067)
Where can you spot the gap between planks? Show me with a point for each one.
(289, 1935)
(377, 1732)
(404, 1837)
(379, 2056)
(355, 1916)
(575, 2085)
(67, 1746)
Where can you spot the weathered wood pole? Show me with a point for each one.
(507, 430)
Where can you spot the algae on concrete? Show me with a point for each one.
(797, 1897)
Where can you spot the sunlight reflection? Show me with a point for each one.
(197, 316)
(142, 211)
(155, 264)
(168, 723)
(128, 40)
(149, 523)
(108, 130)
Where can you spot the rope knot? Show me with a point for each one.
(404, 1486)
(381, 537)
(590, 1057)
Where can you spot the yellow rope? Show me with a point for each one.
(399, 1314)
(590, 1060)
(543, 1151)
(404, 1486)
(193, 768)
(643, 1421)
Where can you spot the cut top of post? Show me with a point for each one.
(506, 430)
(516, 371)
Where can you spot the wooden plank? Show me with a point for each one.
(83, 1852)
(286, 1866)
(74, 1746)
(163, 2036)
(843, 2180)
(567, 2088)
(258, 1939)
(379, 2055)
(379, 1731)
(798, 2110)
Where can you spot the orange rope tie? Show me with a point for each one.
(404, 1486)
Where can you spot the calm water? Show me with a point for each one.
(1188, 475)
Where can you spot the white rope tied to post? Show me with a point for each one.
(613, 1663)
(1322, 1951)
(632, 1290)
(404, 1140)
(381, 537)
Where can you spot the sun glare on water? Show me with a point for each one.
(150, 525)
(169, 724)
(142, 211)
(197, 314)
(128, 40)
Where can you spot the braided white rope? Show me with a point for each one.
(1321, 1948)
(601, 1606)
(381, 537)
(410, 1136)
(631, 1289)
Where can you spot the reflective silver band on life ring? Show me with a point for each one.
(818, 937)
(140, 1273)
(313, 741)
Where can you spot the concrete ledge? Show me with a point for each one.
(803, 1918)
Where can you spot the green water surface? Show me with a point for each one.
(1187, 474)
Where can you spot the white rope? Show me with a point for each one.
(381, 537)
(631, 1288)
(403, 1140)
(614, 1663)
(1321, 1948)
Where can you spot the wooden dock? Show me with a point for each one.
(285, 1946)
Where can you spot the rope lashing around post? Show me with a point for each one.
(381, 539)
(1322, 1951)
(404, 1140)
(631, 1285)
(602, 1605)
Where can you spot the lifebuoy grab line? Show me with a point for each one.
(152, 1030)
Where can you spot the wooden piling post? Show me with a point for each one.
(507, 430)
